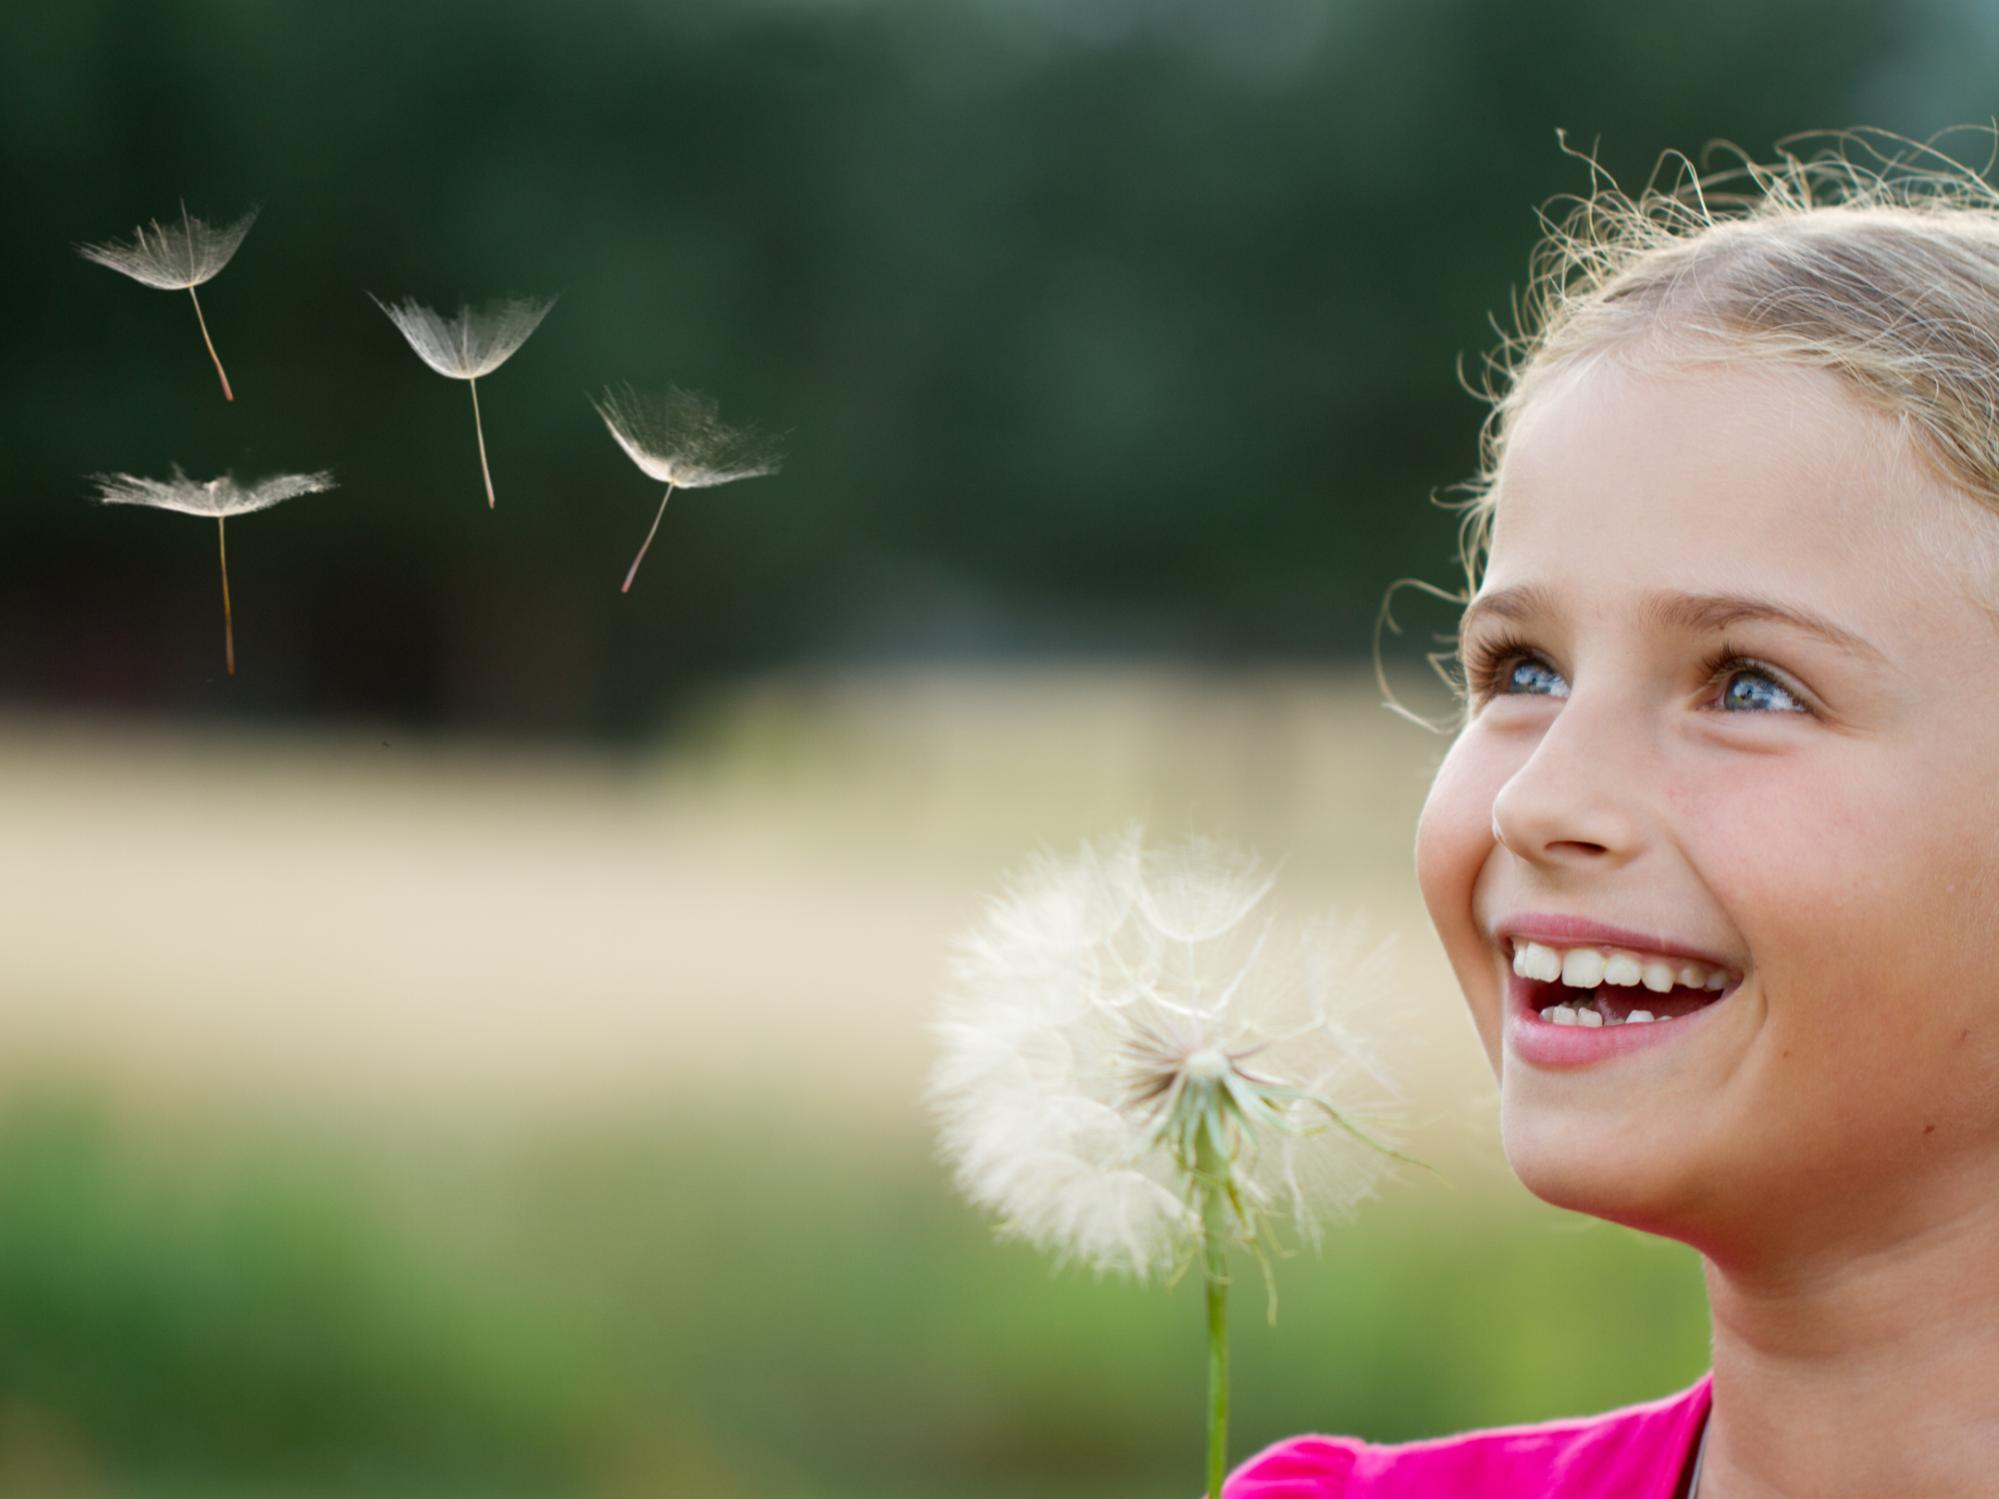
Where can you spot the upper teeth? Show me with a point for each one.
(1587, 967)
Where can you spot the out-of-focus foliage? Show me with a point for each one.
(654, 1315)
(1098, 324)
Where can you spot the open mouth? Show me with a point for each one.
(1601, 987)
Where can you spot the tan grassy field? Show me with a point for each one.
(388, 930)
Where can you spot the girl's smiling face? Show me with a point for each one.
(1731, 701)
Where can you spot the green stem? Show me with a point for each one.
(1212, 1169)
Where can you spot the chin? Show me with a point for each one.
(1571, 1160)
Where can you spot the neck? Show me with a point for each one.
(1851, 1372)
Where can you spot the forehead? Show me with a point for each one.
(1709, 477)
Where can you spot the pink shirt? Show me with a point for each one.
(1642, 1452)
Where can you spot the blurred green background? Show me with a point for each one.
(476, 1050)
(1099, 326)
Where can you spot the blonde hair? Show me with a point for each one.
(1873, 257)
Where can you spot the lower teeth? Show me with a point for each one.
(1588, 1017)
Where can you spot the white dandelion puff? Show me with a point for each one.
(1140, 1066)
(474, 343)
(680, 440)
(177, 257)
(221, 498)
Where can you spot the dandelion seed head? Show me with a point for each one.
(1108, 998)
(680, 438)
(177, 255)
(221, 496)
(475, 341)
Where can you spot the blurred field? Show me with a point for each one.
(417, 927)
(390, 1118)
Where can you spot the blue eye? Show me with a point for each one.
(1529, 677)
(1508, 667)
(1748, 688)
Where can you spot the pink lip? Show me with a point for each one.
(1574, 931)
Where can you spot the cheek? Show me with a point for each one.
(1864, 899)
(1453, 844)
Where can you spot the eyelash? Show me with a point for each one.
(1489, 663)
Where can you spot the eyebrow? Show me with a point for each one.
(1705, 612)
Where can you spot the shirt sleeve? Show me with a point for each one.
(1302, 1468)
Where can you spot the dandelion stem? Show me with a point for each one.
(479, 427)
(227, 393)
(228, 621)
(648, 541)
(1211, 1169)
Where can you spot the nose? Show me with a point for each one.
(1578, 798)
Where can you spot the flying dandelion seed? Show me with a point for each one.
(220, 498)
(1139, 1069)
(680, 440)
(177, 257)
(474, 343)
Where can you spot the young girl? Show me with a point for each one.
(1715, 853)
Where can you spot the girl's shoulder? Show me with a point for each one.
(1640, 1452)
